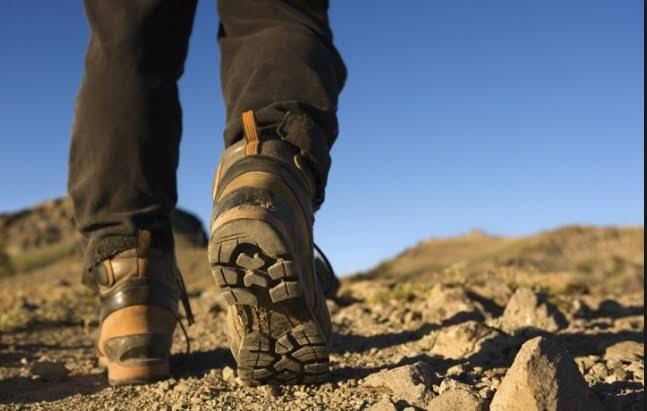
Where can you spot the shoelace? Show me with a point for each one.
(325, 260)
(184, 297)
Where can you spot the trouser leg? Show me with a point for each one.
(279, 60)
(127, 127)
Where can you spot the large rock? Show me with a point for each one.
(528, 310)
(494, 290)
(543, 377)
(463, 340)
(411, 383)
(451, 303)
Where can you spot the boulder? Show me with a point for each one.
(544, 377)
(529, 310)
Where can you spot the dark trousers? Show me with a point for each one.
(278, 59)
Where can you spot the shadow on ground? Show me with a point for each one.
(26, 390)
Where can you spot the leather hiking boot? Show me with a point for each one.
(139, 291)
(262, 258)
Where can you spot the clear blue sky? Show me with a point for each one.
(510, 116)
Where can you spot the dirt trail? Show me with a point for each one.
(458, 323)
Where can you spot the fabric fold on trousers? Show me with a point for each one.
(278, 60)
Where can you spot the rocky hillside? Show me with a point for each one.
(553, 321)
(587, 252)
(46, 233)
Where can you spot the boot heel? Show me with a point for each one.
(135, 343)
(137, 359)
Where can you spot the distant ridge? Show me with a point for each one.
(37, 236)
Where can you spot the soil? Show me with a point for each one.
(439, 307)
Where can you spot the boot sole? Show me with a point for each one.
(134, 374)
(281, 342)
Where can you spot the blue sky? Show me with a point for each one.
(509, 116)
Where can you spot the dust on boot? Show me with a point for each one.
(262, 258)
(139, 291)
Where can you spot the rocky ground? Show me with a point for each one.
(554, 322)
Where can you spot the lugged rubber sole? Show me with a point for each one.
(281, 342)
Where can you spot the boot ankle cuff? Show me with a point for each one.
(302, 132)
(298, 129)
(101, 248)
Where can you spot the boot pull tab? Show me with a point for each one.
(143, 248)
(251, 133)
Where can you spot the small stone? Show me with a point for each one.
(620, 373)
(624, 352)
(544, 377)
(384, 404)
(457, 399)
(228, 374)
(485, 393)
(450, 384)
(163, 386)
(456, 370)
(585, 363)
(637, 370)
(49, 370)
(181, 387)
(411, 383)
(599, 371)
(271, 390)
(412, 316)
(528, 310)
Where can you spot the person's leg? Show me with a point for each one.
(127, 126)
(281, 77)
(123, 161)
(278, 59)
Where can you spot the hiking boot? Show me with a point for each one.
(139, 291)
(262, 258)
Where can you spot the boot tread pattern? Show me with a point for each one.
(281, 344)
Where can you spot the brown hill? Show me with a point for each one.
(46, 233)
(572, 256)
(444, 325)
